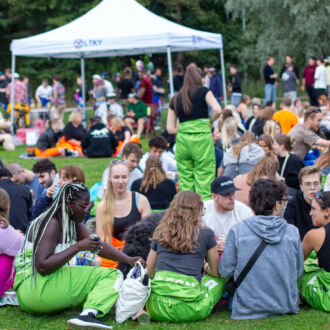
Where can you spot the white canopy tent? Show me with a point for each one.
(117, 28)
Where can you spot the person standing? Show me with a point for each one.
(58, 99)
(288, 62)
(321, 77)
(308, 80)
(124, 87)
(43, 93)
(207, 76)
(4, 82)
(270, 76)
(235, 85)
(216, 85)
(194, 144)
(290, 80)
(20, 91)
(145, 89)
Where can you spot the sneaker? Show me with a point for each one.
(88, 321)
(9, 298)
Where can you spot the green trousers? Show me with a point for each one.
(195, 157)
(180, 298)
(314, 287)
(89, 287)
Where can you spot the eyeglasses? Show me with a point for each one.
(320, 195)
(316, 110)
(310, 185)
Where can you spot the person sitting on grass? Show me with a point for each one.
(270, 287)
(179, 246)
(10, 243)
(119, 209)
(137, 114)
(157, 146)
(314, 285)
(47, 282)
(67, 174)
(74, 131)
(154, 185)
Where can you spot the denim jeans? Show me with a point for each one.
(235, 99)
(270, 93)
(292, 95)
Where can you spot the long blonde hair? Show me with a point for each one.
(153, 174)
(267, 166)
(247, 138)
(108, 209)
(179, 229)
(269, 128)
(228, 132)
(4, 207)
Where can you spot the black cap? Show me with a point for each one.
(223, 185)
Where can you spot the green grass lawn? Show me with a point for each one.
(16, 318)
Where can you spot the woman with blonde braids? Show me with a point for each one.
(154, 185)
(179, 246)
(47, 279)
(266, 168)
(10, 243)
(119, 209)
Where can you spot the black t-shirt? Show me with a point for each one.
(159, 198)
(268, 71)
(177, 82)
(185, 263)
(291, 171)
(199, 108)
(120, 135)
(125, 87)
(72, 132)
(3, 84)
(236, 83)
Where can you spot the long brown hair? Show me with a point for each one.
(4, 208)
(108, 209)
(324, 160)
(153, 174)
(193, 78)
(267, 166)
(75, 173)
(247, 138)
(179, 229)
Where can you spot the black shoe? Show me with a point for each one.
(88, 321)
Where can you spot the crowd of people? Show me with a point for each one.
(224, 208)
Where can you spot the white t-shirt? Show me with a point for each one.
(221, 223)
(321, 77)
(116, 109)
(44, 92)
(108, 86)
(168, 162)
(134, 175)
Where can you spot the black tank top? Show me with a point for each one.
(121, 225)
(324, 253)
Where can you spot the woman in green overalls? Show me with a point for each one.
(195, 153)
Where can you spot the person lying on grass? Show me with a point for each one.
(47, 280)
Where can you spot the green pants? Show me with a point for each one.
(314, 287)
(180, 298)
(195, 157)
(90, 287)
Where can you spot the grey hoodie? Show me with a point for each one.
(248, 158)
(270, 288)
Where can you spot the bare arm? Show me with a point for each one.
(99, 230)
(213, 104)
(213, 262)
(313, 240)
(141, 92)
(144, 206)
(323, 143)
(171, 123)
(151, 263)
(220, 171)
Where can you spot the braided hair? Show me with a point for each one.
(69, 192)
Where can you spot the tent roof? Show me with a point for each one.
(115, 28)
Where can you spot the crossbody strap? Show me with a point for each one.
(284, 164)
(250, 263)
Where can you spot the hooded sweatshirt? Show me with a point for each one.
(270, 287)
(248, 158)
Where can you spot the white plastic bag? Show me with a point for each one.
(133, 294)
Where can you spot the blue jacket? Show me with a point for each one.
(216, 85)
(270, 288)
(41, 204)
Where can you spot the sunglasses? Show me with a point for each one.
(320, 195)
(317, 110)
(119, 161)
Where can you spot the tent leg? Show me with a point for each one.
(223, 74)
(169, 63)
(12, 94)
(83, 86)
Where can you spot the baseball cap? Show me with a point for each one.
(16, 75)
(212, 69)
(223, 185)
(111, 95)
(131, 95)
(104, 74)
(97, 77)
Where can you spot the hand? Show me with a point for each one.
(302, 88)
(221, 246)
(88, 244)
(4, 224)
(51, 191)
(134, 260)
